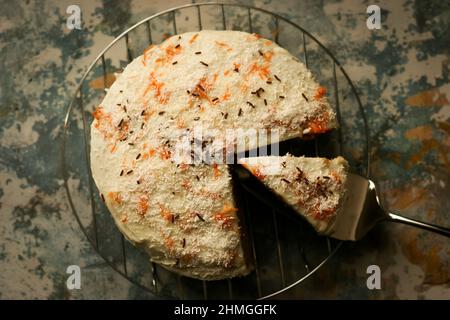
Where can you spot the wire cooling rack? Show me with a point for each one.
(285, 253)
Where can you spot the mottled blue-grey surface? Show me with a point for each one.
(402, 75)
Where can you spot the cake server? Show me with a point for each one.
(361, 209)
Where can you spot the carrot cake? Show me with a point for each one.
(183, 212)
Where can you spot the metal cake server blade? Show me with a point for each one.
(361, 209)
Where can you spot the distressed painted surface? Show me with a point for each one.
(402, 75)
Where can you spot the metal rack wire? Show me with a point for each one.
(264, 282)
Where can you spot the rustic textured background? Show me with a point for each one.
(402, 75)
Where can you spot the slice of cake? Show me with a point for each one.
(313, 187)
(182, 213)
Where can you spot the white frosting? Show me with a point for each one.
(156, 203)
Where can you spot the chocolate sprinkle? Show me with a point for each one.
(203, 63)
(301, 176)
(265, 102)
(281, 97)
(197, 177)
(200, 217)
(188, 92)
(196, 118)
(269, 82)
(225, 115)
(120, 123)
(138, 156)
(276, 77)
(175, 62)
(240, 112)
(285, 180)
(260, 53)
(143, 112)
(121, 173)
(130, 172)
(177, 46)
(130, 143)
(258, 92)
(138, 182)
(198, 52)
(304, 97)
(102, 196)
(321, 188)
(161, 113)
(184, 242)
(283, 164)
(215, 99)
(251, 104)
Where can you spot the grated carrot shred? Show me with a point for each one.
(184, 166)
(169, 242)
(254, 36)
(115, 196)
(216, 170)
(143, 205)
(165, 213)
(225, 217)
(224, 45)
(186, 185)
(164, 154)
(268, 56)
(145, 53)
(155, 85)
(262, 70)
(98, 112)
(226, 96)
(194, 37)
(255, 170)
(320, 92)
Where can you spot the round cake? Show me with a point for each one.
(180, 209)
